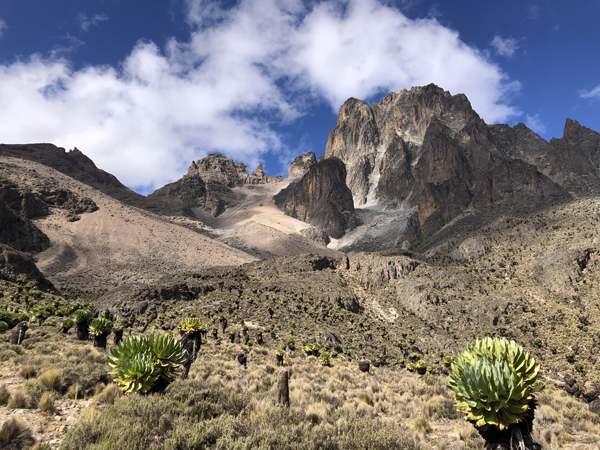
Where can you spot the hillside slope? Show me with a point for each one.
(117, 243)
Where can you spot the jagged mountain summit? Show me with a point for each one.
(207, 186)
(422, 159)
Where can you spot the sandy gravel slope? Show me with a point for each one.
(258, 227)
(117, 243)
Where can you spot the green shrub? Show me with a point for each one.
(493, 382)
(190, 325)
(194, 414)
(145, 362)
(50, 380)
(3, 326)
(100, 326)
(82, 316)
(67, 324)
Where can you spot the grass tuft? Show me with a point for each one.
(46, 403)
(50, 380)
(17, 400)
(16, 433)
(27, 372)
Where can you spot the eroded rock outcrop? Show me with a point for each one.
(300, 165)
(76, 165)
(15, 264)
(208, 185)
(427, 148)
(321, 198)
(572, 161)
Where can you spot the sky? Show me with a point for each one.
(145, 87)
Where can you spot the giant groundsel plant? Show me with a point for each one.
(493, 382)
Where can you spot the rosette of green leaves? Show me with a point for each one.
(100, 326)
(165, 353)
(325, 358)
(3, 326)
(190, 325)
(67, 324)
(493, 382)
(168, 355)
(137, 374)
(82, 316)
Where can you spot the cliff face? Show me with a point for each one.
(320, 198)
(207, 185)
(427, 148)
(572, 161)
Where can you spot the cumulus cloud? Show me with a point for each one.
(535, 123)
(504, 46)
(259, 63)
(594, 93)
(86, 23)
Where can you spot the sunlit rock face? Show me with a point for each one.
(427, 148)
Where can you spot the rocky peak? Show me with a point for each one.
(363, 134)
(428, 149)
(300, 165)
(572, 161)
(320, 198)
(77, 165)
(218, 168)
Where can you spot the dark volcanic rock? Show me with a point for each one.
(19, 204)
(321, 198)
(20, 233)
(573, 161)
(15, 264)
(316, 234)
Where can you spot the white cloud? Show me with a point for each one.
(535, 123)
(594, 93)
(86, 23)
(505, 46)
(258, 63)
(2, 27)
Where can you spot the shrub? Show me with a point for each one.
(67, 324)
(15, 433)
(17, 400)
(493, 382)
(4, 394)
(46, 403)
(82, 316)
(3, 326)
(100, 326)
(146, 362)
(190, 325)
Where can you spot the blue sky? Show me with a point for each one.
(145, 87)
